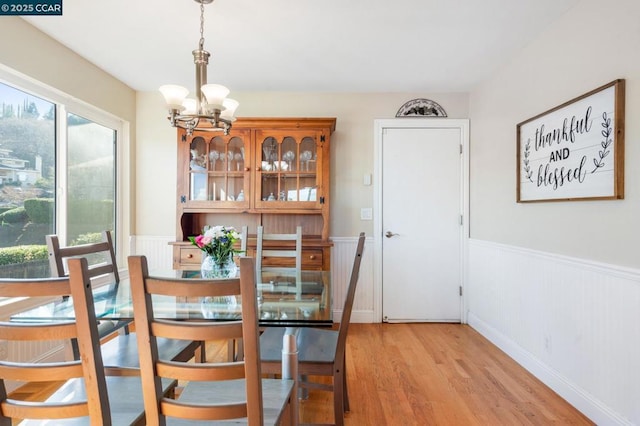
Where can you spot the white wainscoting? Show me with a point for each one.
(157, 250)
(575, 324)
(342, 255)
(159, 255)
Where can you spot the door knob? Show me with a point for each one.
(390, 234)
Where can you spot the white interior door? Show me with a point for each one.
(422, 208)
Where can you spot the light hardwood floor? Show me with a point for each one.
(438, 374)
(429, 374)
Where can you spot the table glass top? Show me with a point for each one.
(282, 301)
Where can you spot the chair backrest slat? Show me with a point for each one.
(40, 287)
(38, 332)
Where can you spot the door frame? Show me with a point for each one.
(418, 123)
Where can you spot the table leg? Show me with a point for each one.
(290, 366)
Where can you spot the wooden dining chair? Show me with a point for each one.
(321, 352)
(119, 348)
(212, 391)
(276, 258)
(101, 258)
(85, 395)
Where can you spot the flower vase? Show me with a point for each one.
(215, 268)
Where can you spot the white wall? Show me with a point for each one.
(557, 284)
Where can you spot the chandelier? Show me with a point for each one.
(211, 110)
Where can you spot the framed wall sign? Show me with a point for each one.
(574, 151)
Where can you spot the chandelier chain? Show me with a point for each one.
(201, 24)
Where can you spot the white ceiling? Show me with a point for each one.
(304, 45)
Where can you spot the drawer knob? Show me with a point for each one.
(312, 257)
(189, 256)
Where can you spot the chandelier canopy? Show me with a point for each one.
(211, 110)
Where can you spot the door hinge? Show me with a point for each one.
(183, 199)
(460, 148)
(460, 290)
(322, 138)
(184, 138)
(321, 200)
(461, 220)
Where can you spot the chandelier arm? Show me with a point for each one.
(189, 117)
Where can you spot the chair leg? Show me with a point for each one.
(235, 350)
(345, 393)
(200, 354)
(231, 350)
(287, 416)
(338, 396)
(303, 392)
(344, 382)
(240, 350)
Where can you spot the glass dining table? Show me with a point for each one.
(284, 301)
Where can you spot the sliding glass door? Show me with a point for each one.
(58, 175)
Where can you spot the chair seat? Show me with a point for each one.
(314, 345)
(125, 400)
(107, 327)
(275, 393)
(122, 351)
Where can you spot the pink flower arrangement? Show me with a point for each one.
(217, 242)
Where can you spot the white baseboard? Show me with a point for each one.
(357, 316)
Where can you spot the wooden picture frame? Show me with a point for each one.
(574, 151)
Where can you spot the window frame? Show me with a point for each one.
(66, 104)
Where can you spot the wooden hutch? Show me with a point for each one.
(273, 172)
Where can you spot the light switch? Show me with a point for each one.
(366, 213)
